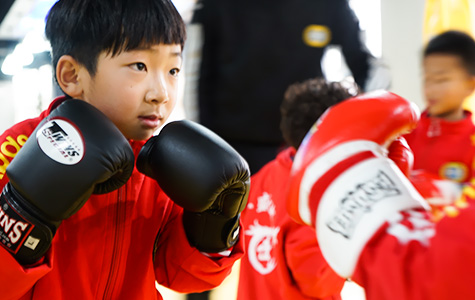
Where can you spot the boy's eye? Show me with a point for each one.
(437, 80)
(139, 66)
(175, 71)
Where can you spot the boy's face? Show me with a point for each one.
(137, 89)
(446, 85)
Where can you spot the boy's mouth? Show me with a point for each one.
(151, 121)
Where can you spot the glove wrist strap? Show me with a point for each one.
(22, 234)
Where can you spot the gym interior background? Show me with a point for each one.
(393, 31)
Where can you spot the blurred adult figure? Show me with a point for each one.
(250, 51)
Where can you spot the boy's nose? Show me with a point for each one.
(157, 94)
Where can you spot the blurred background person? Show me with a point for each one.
(283, 259)
(443, 142)
(251, 51)
(444, 15)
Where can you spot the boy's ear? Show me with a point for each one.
(472, 81)
(67, 75)
(471, 86)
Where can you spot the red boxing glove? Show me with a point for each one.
(342, 177)
(400, 152)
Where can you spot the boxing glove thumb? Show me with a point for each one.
(401, 154)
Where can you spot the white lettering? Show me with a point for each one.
(18, 229)
(7, 223)
(360, 201)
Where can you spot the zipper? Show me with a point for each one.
(117, 243)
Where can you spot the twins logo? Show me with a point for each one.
(61, 141)
(13, 229)
(360, 201)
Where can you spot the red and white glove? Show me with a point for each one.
(343, 183)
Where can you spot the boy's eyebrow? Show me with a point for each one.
(175, 53)
(178, 53)
(441, 71)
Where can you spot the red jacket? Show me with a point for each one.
(283, 260)
(105, 250)
(413, 258)
(444, 148)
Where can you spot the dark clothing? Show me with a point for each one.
(253, 50)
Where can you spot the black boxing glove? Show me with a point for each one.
(74, 152)
(203, 174)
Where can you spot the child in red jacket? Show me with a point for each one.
(283, 259)
(77, 219)
(444, 141)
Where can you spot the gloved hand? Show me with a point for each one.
(342, 182)
(400, 152)
(203, 174)
(74, 152)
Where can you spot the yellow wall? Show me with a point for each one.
(442, 15)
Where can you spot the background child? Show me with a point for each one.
(444, 141)
(283, 260)
(116, 233)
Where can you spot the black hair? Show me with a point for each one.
(86, 28)
(455, 43)
(304, 102)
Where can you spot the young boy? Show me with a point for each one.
(71, 170)
(443, 142)
(283, 259)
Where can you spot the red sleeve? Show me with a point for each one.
(414, 258)
(185, 269)
(17, 280)
(307, 266)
